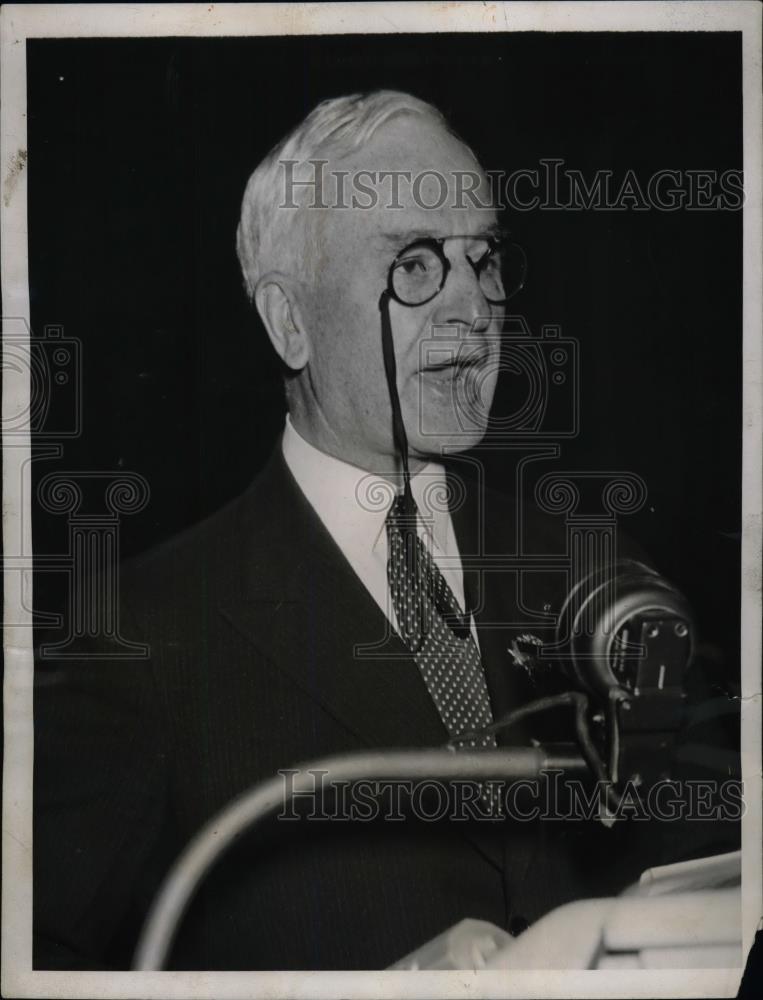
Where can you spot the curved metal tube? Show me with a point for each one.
(255, 805)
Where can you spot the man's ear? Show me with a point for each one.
(279, 312)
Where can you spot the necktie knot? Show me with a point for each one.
(403, 513)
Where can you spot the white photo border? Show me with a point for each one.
(21, 22)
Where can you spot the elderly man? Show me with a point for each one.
(327, 608)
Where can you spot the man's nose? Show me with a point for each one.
(463, 302)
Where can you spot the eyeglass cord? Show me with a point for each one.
(459, 624)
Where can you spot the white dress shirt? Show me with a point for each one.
(353, 505)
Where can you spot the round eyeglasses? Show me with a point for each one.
(420, 270)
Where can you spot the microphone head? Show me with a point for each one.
(625, 627)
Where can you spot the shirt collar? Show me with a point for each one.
(353, 503)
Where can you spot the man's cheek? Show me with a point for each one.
(474, 396)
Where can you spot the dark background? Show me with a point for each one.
(139, 151)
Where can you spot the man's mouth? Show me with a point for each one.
(455, 368)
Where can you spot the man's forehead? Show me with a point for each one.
(412, 179)
(386, 230)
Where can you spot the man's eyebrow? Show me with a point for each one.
(403, 237)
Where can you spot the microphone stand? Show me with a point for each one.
(266, 798)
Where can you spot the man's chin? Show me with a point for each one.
(449, 414)
(450, 442)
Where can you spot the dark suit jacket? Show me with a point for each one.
(253, 619)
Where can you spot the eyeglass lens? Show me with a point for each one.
(418, 273)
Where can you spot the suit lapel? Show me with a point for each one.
(489, 595)
(295, 597)
(492, 598)
(300, 602)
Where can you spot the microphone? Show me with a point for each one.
(625, 626)
(626, 636)
(623, 641)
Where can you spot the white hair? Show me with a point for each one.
(338, 126)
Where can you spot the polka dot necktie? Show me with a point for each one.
(450, 664)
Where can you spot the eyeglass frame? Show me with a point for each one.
(436, 243)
